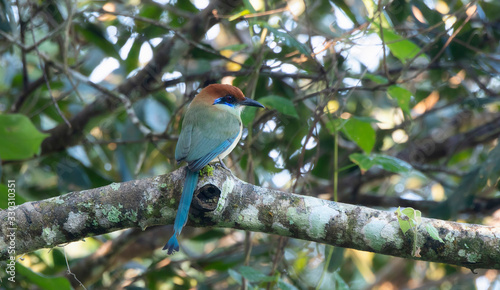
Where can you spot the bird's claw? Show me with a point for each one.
(225, 167)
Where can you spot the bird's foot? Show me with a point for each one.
(225, 167)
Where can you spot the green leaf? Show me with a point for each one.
(44, 282)
(335, 125)
(239, 14)
(280, 104)
(340, 283)
(387, 162)
(285, 286)
(402, 96)
(235, 275)
(404, 223)
(432, 16)
(391, 163)
(376, 79)
(418, 217)
(400, 47)
(367, 119)
(364, 162)
(433, 232)
(249, 6)
(7, 19)
(337, 259)
(253, 275)
(361, 133)
(410, 213)
(20, 138)
(4, 192)
(346, 9)
(234, 47)
(408, 218)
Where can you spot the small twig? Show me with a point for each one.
(37, 43)
(258, 14)
(22, 97)
(475, 49)
(22, 25)
(282, 242)
(153, 138)
(131, 114)
(69, 270)
(123, 99)
(381, 30)
(47, 82)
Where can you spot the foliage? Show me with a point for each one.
(402, 96)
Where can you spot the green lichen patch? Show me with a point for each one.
(87, 204)
(75, 222)
(298, 218)
(390, 234)
(167, 213)
(3, 245)
(321, 214)
(149, 209)
(373, 236)
(50, 235)
(281, 229)
(115, 186)
(59, 200)
(250, 216)
(112, 213)
(227, 188)
(472, 257)
(449, 237)
(131, 215)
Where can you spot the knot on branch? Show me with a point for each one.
(205, 199)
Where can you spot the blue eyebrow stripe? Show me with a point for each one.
(222, 101)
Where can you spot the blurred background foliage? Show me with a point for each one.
(373, 102)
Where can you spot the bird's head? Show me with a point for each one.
(224, 97)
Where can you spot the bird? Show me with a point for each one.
(211, 129)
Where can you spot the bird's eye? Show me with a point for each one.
(230, 99)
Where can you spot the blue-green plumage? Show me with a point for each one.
(210, 130)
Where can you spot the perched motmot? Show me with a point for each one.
(211, 129)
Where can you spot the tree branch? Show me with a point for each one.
(224, 201)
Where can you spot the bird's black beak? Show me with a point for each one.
(250, 102)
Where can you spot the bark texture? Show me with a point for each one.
(224, 201)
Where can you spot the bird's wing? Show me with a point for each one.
(199, 163)
(183, 143)
(208, 136)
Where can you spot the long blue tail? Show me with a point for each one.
(190, 182)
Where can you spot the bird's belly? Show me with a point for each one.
(228, 150)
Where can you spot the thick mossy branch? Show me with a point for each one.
(224, 201)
